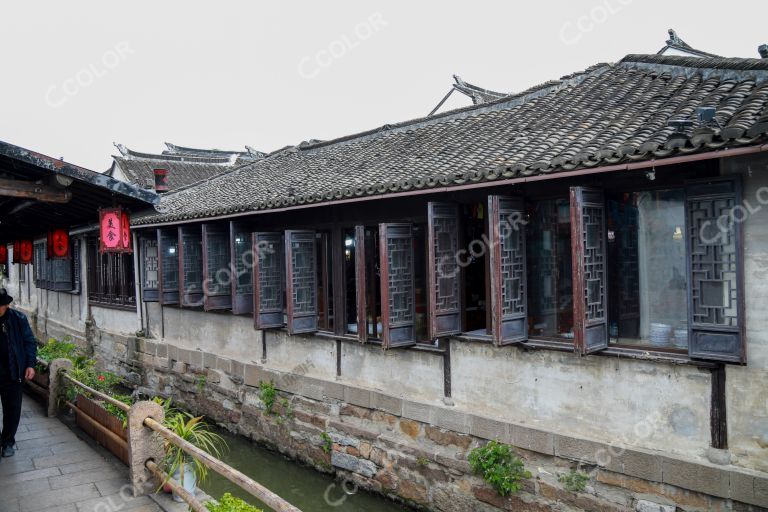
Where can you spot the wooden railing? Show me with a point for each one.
(246, 483)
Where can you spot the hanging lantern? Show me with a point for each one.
(3, 254)
(58, 244)
(114, 230)
(25, 252)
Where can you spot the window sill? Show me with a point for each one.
(107, 305)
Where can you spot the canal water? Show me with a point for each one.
(302, 486)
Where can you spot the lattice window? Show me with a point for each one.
(271, 275)
(217, 247)
(150, 276)
(193, 262)
(76, 266)
(170, 261)
(445, 239)
(594, 262)
(243, 262)
(400, 279)
(714, 263)
(512, 265)
(303, 275)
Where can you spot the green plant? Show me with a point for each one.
(193, 430)
(575, 481)
(201, 380)
(268, 394)
(327, 442)
(116, 411)
(229, 503)
(55, 349)
(499, 467)
(84, 370)
(422, 461)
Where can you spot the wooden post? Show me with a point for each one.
(56, 384)
(143, 445)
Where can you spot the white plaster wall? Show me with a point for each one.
(116, 321)
(747, 386)
(222, 333)
(312, 356)
(639, 403)
(403, 373)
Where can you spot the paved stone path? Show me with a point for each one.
(54, 470)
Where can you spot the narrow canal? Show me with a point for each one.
(302, 486)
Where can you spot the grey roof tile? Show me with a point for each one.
(607, 114)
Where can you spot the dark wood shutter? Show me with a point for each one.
(360, 286)
(590, 286)
(242, 268)
(191, 266)
(506, 228)
(148, 265)
(398, 290)
(168, 265)
(443, 270)
(301, 281)
(268, 280)
(61, 274)
(76, 266)
(217, 287)
(716, 270)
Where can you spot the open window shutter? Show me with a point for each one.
(509, 317)
(76, 266)
(301, 281)
(191, 266)
(148, 268)
(217, 289)
(168, 265)
(360, 287)
(716, 294)
(268, 280)
(398, 301)
(590, 286)
(242, 269)
(443, 271)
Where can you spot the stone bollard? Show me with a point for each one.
(143, 444)
(56, 384)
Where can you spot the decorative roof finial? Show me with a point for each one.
(673, 37)
(763, 50)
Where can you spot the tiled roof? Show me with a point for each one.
(608, 114)
(184, 165)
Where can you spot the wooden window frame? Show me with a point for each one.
(110, 278)
(190, 294)
(148, 294)
(443, 321)
(222, 298)
(271, 318)
(396, 333)
(170, 295)
(300, 322)
(242, 301)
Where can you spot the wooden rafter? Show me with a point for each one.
(31, 190)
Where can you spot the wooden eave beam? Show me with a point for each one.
(31, 190)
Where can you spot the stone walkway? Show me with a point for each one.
(56, 470)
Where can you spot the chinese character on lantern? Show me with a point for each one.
(58, 244)
(115, 230)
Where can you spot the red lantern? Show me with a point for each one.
(3, 254)
(26, 251)
(16, 251)
(114, 230)
(58, 244)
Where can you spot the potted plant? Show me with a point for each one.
(229, 503)
(180, 466)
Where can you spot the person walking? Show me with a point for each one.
(18, 355)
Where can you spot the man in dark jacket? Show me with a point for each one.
(18, 355)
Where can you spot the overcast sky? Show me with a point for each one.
(78, 76)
